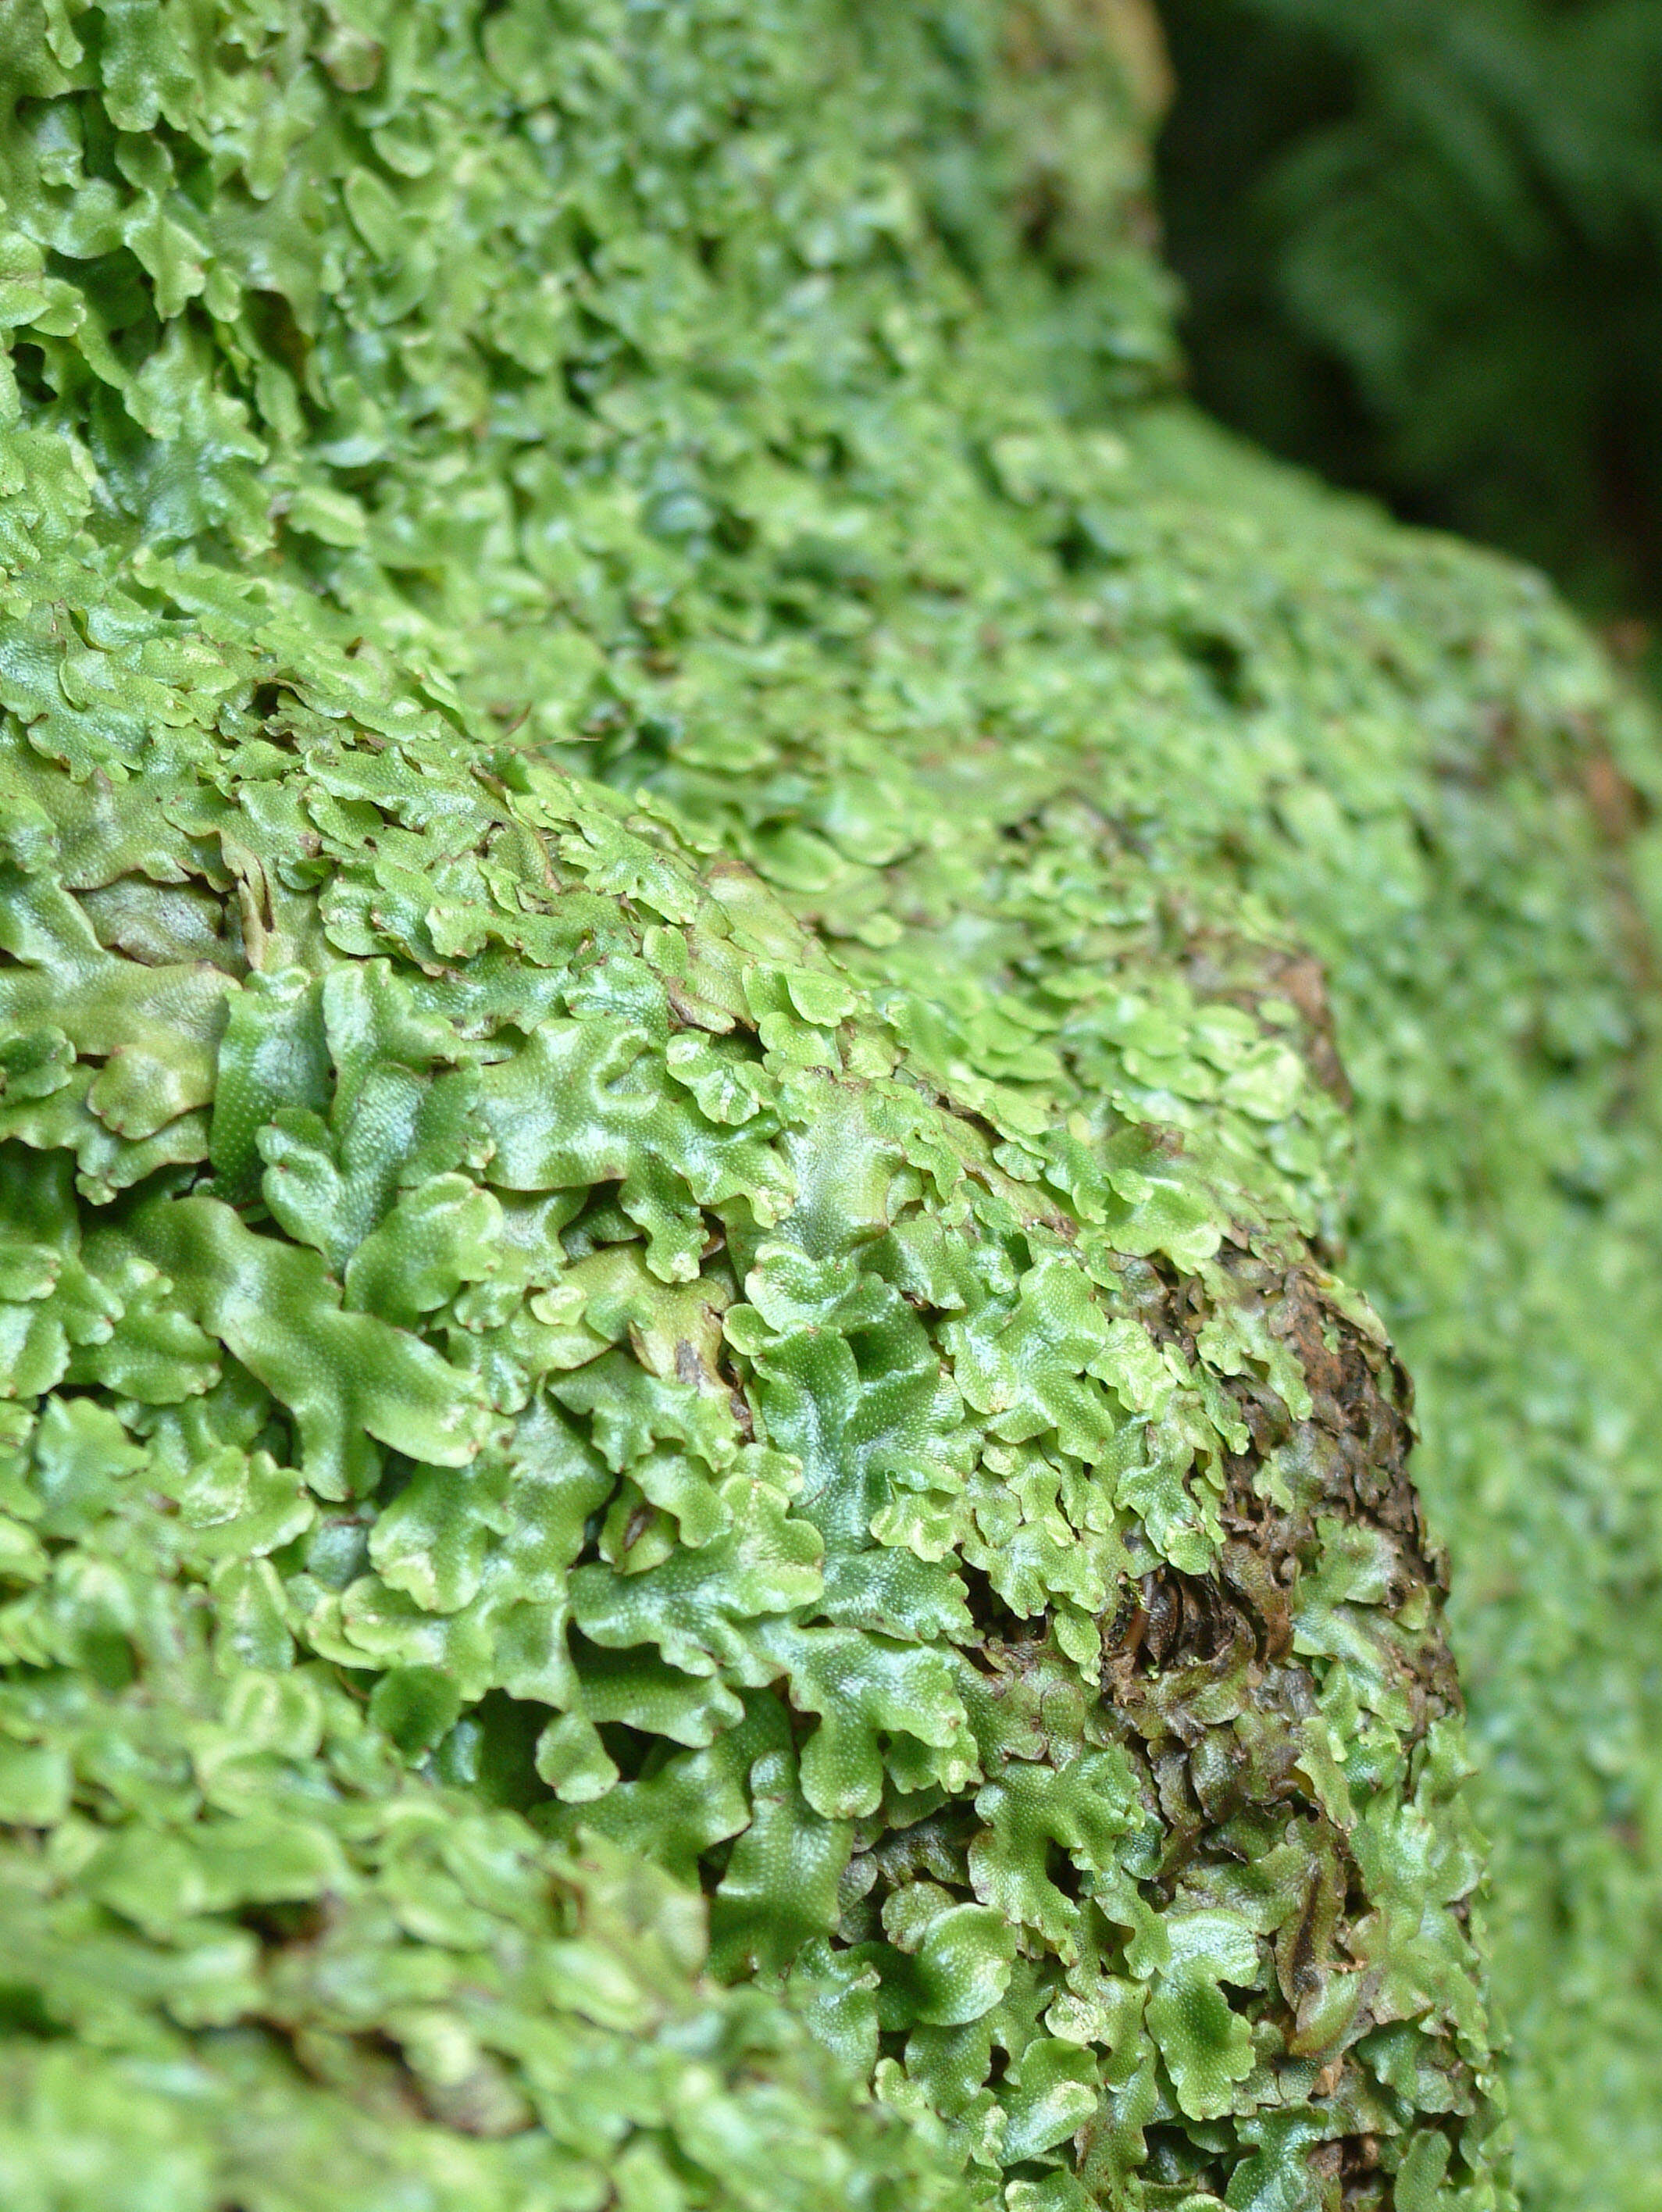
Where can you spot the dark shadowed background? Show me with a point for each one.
(1422, 241)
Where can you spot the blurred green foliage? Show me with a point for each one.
(426, 2007)
(1422, 246)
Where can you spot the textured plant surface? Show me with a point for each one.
(672, 1170)
(473, 2021)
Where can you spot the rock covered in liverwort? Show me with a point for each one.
(545, 1369)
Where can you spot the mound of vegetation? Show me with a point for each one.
(676, 1163)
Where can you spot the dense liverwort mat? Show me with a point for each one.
(677, 1177)
(550, 2010)
(513, 1296)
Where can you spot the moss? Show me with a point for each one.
(674, 1142)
